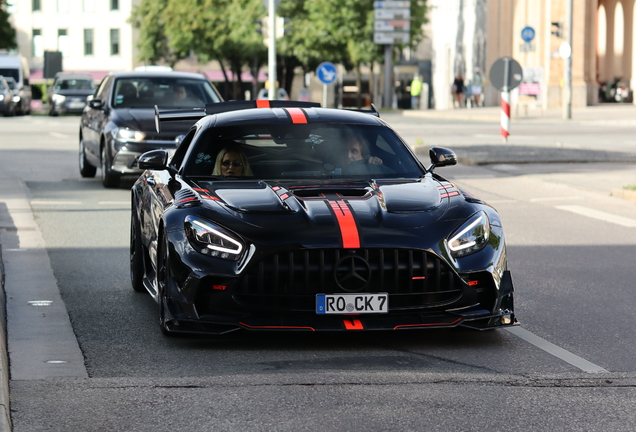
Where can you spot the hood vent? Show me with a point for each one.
(186, 198)
(323, 193)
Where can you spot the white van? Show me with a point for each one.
(16, 67)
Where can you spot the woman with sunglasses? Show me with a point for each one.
(231, 161)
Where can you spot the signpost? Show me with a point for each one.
(527, 34)
(505, 75)
(271, 53)
(391, 26)
(327, 74)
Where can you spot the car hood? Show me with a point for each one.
(359, 214)
(84, 93)
(143, 119)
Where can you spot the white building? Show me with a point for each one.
(94, 36)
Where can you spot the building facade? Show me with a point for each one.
(94, 36)
(469, 34)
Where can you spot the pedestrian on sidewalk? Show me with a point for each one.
(458, 91)
(416, 91)
(476, 87)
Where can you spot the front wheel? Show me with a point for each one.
(86, 169)
(110, 179)
(163, 281)
(136, 260)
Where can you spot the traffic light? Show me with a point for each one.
(557, 29)
(259, 26)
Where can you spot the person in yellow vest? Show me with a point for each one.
(416, 91)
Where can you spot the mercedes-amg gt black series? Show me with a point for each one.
(281, 215)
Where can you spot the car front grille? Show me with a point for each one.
(289, 281)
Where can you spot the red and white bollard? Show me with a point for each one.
(505, 115)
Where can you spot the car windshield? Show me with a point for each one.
(10, 72)
(2, 86)
(75, 84)
(11, 83)
(146, 92)
(301, 151)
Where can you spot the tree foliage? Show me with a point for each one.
(7, 32)
(340, 31)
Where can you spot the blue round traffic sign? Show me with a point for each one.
(326, 72)
(527, 34)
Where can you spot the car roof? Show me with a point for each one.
(280, 116)
(156, 74)
(73, 76)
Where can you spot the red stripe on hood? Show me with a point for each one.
(347, 224)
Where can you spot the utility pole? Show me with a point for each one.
(567, 103)
(271, 63)
(388, 76)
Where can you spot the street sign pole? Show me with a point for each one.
(505, 102)
(388, 76)
(271, 63)
(567, 103)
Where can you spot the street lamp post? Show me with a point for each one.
(567, 103)
(271, 63)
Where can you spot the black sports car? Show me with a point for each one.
(278, 215)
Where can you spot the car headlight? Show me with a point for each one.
(16, 99)
(211, 240)
(1, 98)
(58, 98)
(471, 237)
(128, 135)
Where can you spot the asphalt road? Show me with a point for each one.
(570, 366)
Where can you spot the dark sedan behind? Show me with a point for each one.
(118, 124)
(69, 92)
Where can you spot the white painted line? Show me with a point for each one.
(43, 202)
(58, 135)
(600, 215)
(555, 198)
(113, 202)
(556, 351)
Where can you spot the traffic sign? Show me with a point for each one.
(527, 34)
(326, 72)
(392, 14)
(389, 38)
(498, 72)
(392, 26)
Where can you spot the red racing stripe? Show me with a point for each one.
(297, 115)
(347, 224)
(260, 103)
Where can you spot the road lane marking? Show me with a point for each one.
(556, 351)
(555, 198)
(600, 215)
(113, 202)
(44, 202)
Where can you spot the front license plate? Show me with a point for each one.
(352, 303)
(76, 105)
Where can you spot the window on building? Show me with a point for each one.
(36, 5)
(62, 42)
(114, 41)
(88, 42)
(62, 6)
(89, 6)
(38, 43)
(114, 5)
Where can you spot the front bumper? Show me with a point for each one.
(215, 299)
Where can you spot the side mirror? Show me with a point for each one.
(96, 104)
(441, 156)
(154, 160)
(25, 81)
(89, 98)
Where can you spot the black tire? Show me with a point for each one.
(110, 179)
(136, 258)
(86, 169)
(163, 277)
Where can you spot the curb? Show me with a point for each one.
(5, 415)
(627, 194)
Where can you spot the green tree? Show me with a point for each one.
(222, 30)
(7, 32)
(149, 17)
(340, 31)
